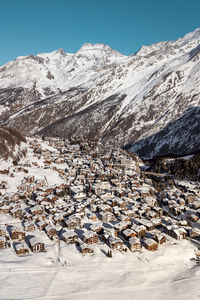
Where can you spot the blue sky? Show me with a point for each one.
(32, 27)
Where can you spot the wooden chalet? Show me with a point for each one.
(92, 216)
(5, 209)
(85, 249)
(29, 226)
(178, 233)
(29, 179)
(69, 236)
(160, 238)
(128, 233)
(90, 237)
(193, 218)
(135, 244)
(107, 216)
(3, 242)
(71, 223)
(115, 243)
(21, 249)
(42, 223)
(139, 229)
(16, 212)
(193, 232)
(2, 231)
(150, 244)
(50, 231)
(96, 227)
(17, 234)
(36, 210)
(36, 244)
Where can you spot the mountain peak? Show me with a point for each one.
(99, 49)
(60, 51)
(98, 46)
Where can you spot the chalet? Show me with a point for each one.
(59, 192)
(158, 210)
(79, 196)
(121, 226)
(193, 232)
(149, 225)
(193, 218)
(96, 227)
(181, 202)
(26, 187)
(90, 237)
(160, 238)
(103, 207)
(178, 233)
(5, 208)
(191, 198)
(183, 223)
(3, 242)
(58, 218)
(131, 213)
(27, 216)
(21, 249)
(41, 224)
(115, 243)
(156, 222)
(50, 231)
(150, 201)
(75, 189)
(152, 214)
(71, 223)
(85, 249)
(29, 226)
(135, 244)
(92, 216)
(17, 234)
(150, 244)
(52, 198)
(106, 195)
(39, 218)
(16, 212)
(120, 193)
(15, 197)
(69, 236)
(140, 230)
(107, 216)
(36, 244)
(196, 204)
(121, 203)
(107, 233)
(36, 210)
(2, 231)
(128, 233)
(29, 179)
(40, 183)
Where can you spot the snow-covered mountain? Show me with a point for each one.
(148, 100)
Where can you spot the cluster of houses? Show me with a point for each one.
(101, 198)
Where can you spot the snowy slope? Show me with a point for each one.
(166, 274)
(100, 94)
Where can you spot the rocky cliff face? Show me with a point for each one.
(148, 101)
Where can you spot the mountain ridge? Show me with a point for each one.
(117, 98)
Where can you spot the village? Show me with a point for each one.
(100, 199)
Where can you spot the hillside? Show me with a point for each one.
(12, 144)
